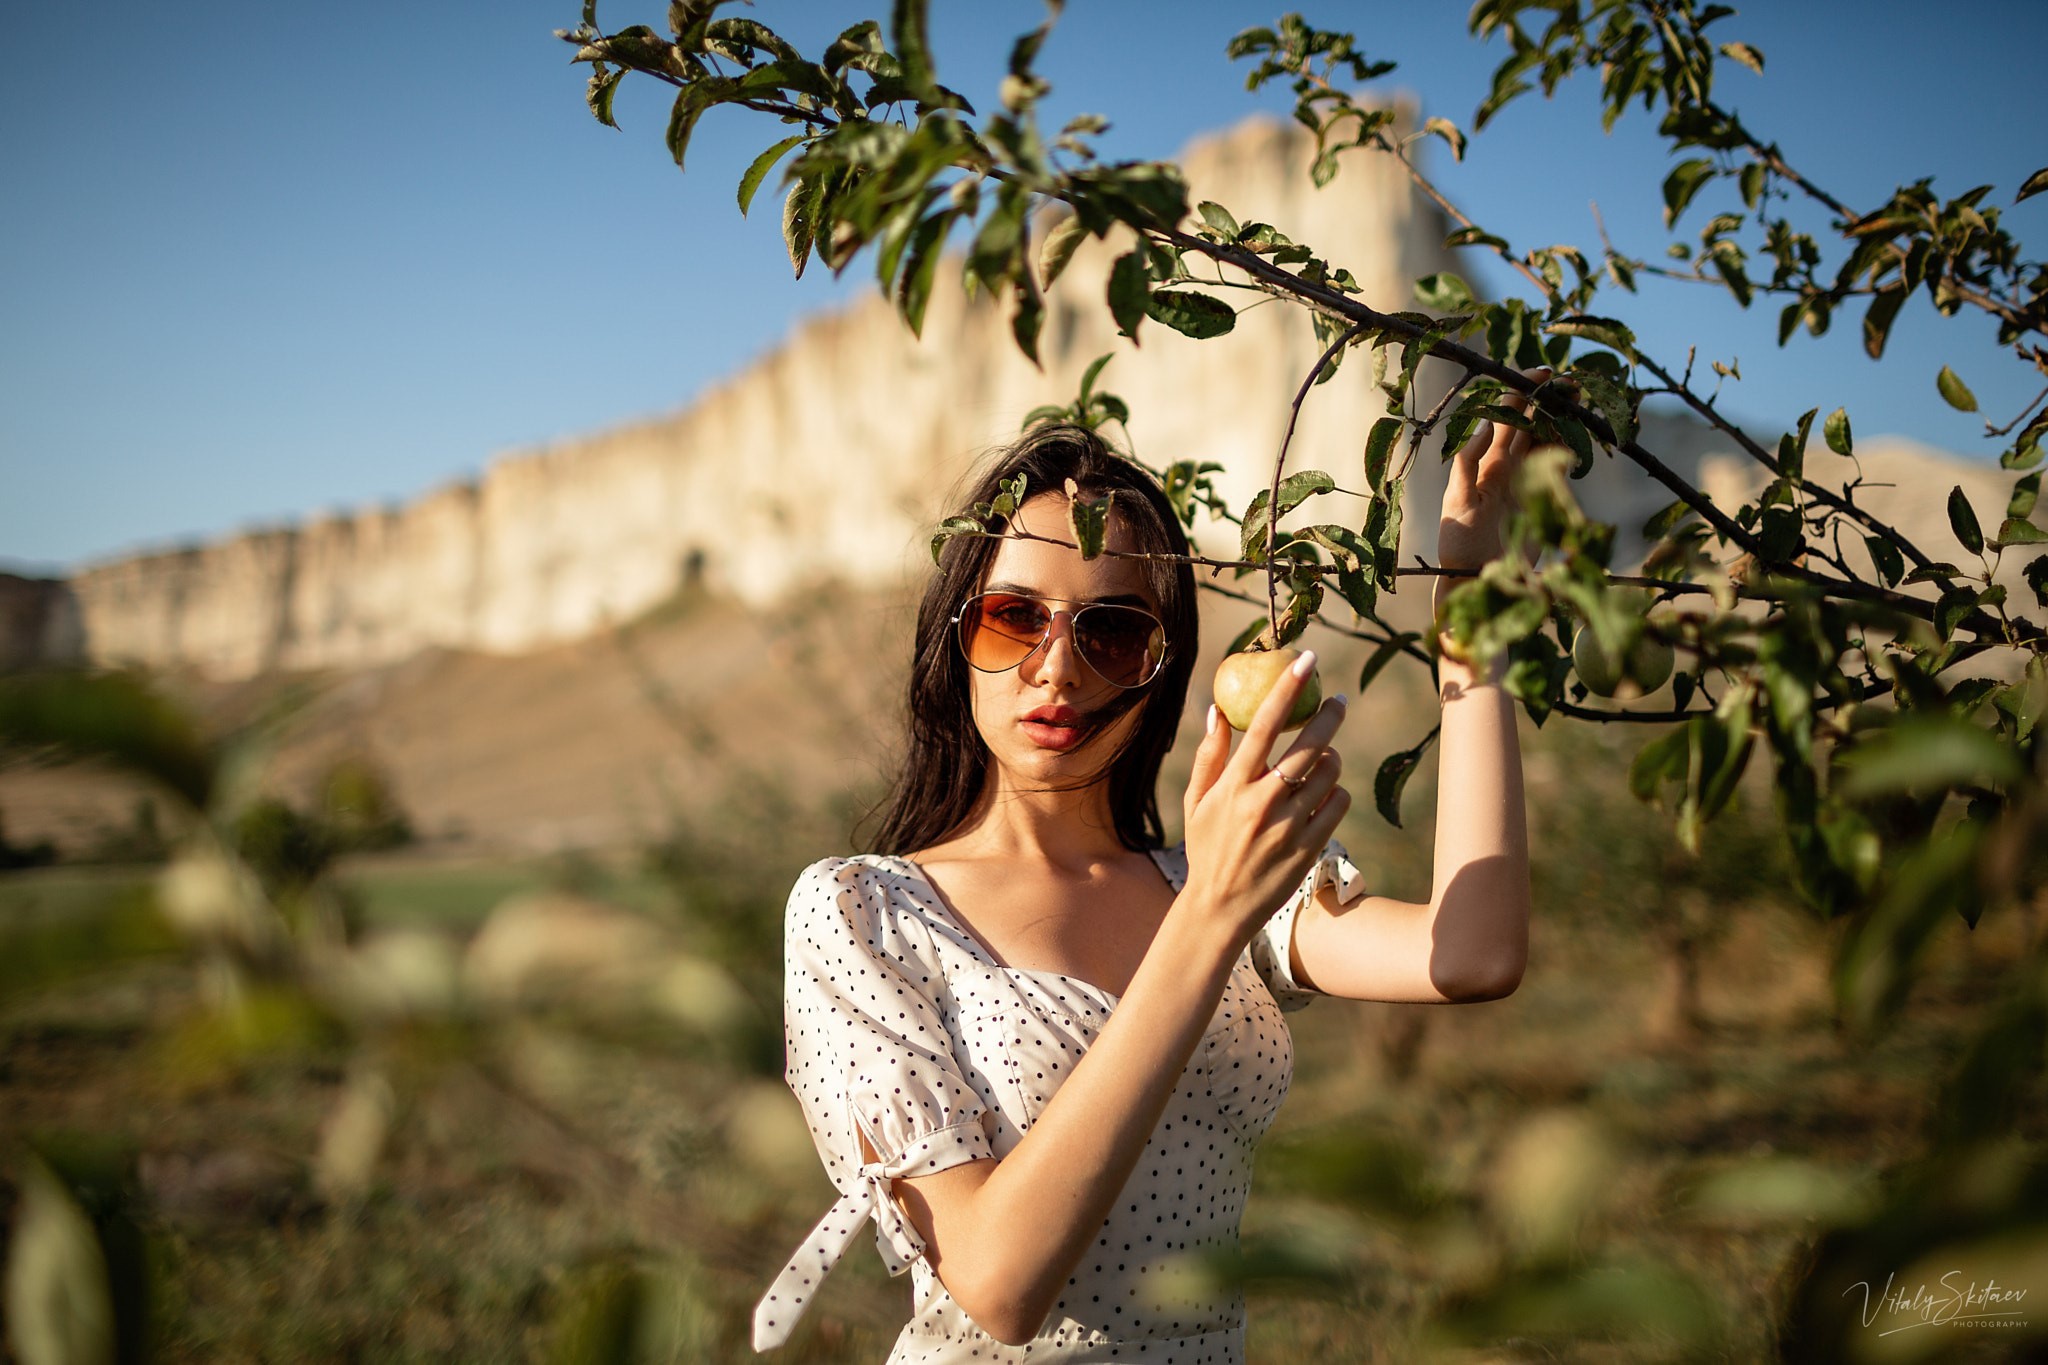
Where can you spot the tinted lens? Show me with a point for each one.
(998, 631)
(1123, 644)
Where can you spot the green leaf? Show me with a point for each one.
(1448, 131)
(861, 39)
(1089, 520)
(1837, 432)
(762, 164)
(799, 222)
(1127, 289)
(907, 27)
(1667, 519)
(1601, 331)
(1346, 547)
(950, 527)
(993, 256)
(1752, 184)
(1682, 184)
(1359, 591)
(1792, 446)
(1294, 490)
(1218, 218)
(921, 268)
(1951, 609)
(1474, 236)
(695, 98)
(1661, 760)
(1191, 313)
(1744, 53)
(118, 717)
(1955, 391)
(1060, 244)
(1444, 292)
(2025, 494)
(1027, 319)
(1926, 753)
(1891, 565)
(1383, 529)
(1379, 450)
(2036, 183)
(603, 85)
(2016, 531)
(1962, 519)
(1384, 655)
(1393, 776)
(1877, 321)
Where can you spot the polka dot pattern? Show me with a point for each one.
(900, 1028)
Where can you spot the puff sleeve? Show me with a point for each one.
(1272, 946)
(866, 1054)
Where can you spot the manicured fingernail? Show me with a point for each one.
(1343, 701)
(1305, 665)
(1209, 721)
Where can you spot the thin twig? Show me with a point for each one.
(1279, 463)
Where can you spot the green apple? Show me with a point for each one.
(1243, 680)
(1645, 668)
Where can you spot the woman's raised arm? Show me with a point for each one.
(1470, 941)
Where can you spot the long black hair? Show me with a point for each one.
(945, 763)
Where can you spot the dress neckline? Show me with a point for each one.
(988, 955)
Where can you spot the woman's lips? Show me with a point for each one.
(1047, 735)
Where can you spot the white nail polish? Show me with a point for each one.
(1306, 664)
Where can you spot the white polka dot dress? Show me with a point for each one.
(899, 1025)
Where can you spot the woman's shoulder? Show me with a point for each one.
(869, 889)
(854, 868)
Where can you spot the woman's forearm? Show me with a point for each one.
(1480, 888)
(1005, 1237)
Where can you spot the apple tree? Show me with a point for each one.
(1894, 690)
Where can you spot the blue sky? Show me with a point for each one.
(260, 260)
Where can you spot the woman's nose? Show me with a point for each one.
(1055, 660)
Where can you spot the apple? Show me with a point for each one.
(1645, 668)
(1244, 679)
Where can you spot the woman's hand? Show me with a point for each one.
(1254, 829)
(1482, 487)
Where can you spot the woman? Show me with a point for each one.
(1034, 1046)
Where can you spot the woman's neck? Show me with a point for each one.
(1058, 828)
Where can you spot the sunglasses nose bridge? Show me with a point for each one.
(1042, 651)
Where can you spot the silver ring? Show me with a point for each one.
(1293, 783)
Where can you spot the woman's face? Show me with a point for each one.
(1034, 716)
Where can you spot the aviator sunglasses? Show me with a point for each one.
(999, 630)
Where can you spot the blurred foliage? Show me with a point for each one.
(534, 1111)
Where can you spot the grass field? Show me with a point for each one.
(1665, 1113)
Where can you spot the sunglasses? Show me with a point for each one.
(999, 630)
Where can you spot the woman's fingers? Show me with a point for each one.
(1313, 739)
(1313, 783)
(1323, 823)
(1212, 755)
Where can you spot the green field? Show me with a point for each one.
(1628, 1160)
